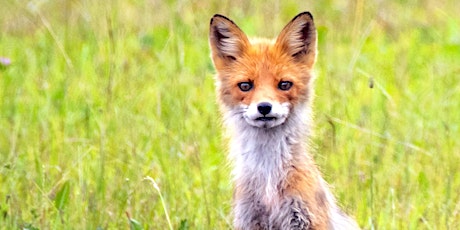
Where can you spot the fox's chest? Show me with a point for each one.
(261, 168)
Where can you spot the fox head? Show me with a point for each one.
(262, 81)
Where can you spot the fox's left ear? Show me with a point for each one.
(227, 40)
(298, 39)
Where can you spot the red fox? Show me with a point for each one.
(265, 91)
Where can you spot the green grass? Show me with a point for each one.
(100, 95)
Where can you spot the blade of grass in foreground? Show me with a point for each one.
(155, 186)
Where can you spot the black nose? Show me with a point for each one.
(264, 108)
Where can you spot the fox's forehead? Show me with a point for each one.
(261, 46)
(262, 59)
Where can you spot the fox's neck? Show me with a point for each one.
(261, 156)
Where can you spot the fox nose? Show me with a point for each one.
(264, 108)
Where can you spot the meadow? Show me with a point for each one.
(108, 118)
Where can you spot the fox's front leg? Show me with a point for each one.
(293, 215)
(250, 214)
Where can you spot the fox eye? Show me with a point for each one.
(284, 85)
(245, 86)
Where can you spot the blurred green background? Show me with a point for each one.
(97, 95)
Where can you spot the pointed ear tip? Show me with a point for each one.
(218, 17)
(306, 14)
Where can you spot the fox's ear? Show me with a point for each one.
(298, 39)
(227, 41)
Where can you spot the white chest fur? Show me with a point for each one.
(261, 156)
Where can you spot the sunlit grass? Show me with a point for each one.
(97, 96)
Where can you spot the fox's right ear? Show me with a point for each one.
(227, 41)
(298, 39)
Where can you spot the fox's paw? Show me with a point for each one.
(293, 215)
(299, 221)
